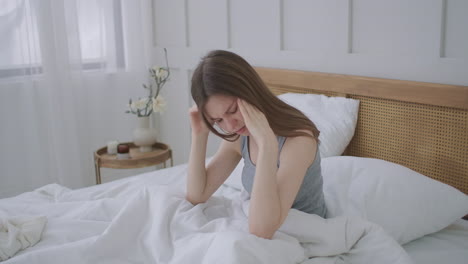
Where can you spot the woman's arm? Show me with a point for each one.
(265, 205)
(196, 179)
(274, 190)
(203, 182)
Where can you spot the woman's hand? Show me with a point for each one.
(198, 125)
(256, 123)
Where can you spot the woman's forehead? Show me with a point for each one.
(217, 105)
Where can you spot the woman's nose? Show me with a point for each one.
(231, 124)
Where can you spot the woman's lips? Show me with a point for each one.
(242, 130)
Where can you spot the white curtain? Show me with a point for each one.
(67, 70)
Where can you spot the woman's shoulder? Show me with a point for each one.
(306, 137)
(300, 140)
(300, 147)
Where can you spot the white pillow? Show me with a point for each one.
(335, 118)
(408, 205)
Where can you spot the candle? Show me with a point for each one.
(112, 147)
(123, 148)
(123, 151)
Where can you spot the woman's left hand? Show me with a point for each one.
(256, 122)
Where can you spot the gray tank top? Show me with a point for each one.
(310, 197)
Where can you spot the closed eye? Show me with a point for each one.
(233, 111)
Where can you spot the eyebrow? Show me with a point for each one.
(227, 110)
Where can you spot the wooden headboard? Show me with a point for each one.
(423, 126)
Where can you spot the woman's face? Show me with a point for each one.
(224, 112)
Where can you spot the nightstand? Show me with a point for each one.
(160, 154)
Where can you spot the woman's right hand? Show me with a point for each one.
(198, 125)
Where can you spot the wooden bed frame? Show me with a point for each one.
(423, 126)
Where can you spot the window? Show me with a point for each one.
(95, 24)
(20, 39)
(101, 34)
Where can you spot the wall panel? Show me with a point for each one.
(397, 28)
(456, 32)
(317, 26)
(254, 24)
(207, 25)
(169, 23)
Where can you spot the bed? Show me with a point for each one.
(396, 193)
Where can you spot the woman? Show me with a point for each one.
(278, 143)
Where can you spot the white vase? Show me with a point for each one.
(144, 136)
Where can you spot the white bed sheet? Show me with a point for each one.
(448, 246)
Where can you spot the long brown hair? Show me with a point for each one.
(225, 73)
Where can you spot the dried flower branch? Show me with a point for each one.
(147, 105)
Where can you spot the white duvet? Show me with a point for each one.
(145, 219)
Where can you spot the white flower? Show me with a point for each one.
(141, 104)
(160, 72)
(155, 70)
(159, 104)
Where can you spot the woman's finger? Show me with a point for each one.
(241, 105)
(251, 111)
(248, 108)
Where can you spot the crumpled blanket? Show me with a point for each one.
(18, 233)
(146, 219)
(157, 225)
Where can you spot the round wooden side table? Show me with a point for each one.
(160, 154)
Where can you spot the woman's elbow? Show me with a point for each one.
(194, 200)
(262, 231)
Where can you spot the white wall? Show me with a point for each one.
(420, 40)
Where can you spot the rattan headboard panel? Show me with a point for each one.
(426, 134)
(432, 140)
